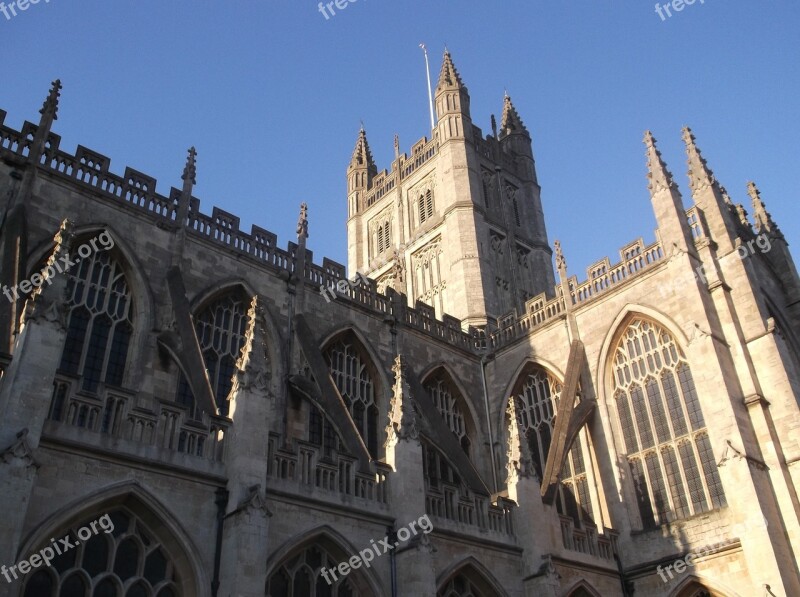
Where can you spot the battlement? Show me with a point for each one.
(422, 152)
(137, 191)
(402, 167)
(89, 170)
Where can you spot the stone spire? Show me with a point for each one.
(657, 173)
(667, 203)
(49, 113)
(519, 463)
(189, 180)
(190, 170)
(511, 122)
(362, 156)
(700, 175)
(302, 224)
(452, 104)
(763, 219)
(721, 220)
(50, 108)
(402, 419)
(448, 76)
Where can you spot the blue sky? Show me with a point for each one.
(272, 94)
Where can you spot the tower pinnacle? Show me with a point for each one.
(50, 107)
(763, 219)
(700, 175)
(448, 76)
(660, 178)
(362, 156)
(511, 122)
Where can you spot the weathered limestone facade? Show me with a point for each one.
(244, 430)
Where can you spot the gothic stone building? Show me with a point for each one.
(247, 433)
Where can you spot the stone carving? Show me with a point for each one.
(20, 451)
(254, 364)
(402, 419)
(519, 463)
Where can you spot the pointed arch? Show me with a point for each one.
(220, 316)
(694, 585)
(358, 380)
(451, 401)
(581, 589)
(110, 308)
(537, 391)
(617, 328)
(657, 418)
(159, 525)
(471, 570)
(513, 380)
(332, 547)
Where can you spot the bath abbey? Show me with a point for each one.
(189, 409)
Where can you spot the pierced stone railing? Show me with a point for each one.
(334, 474)
(457, 504)
(587, 540)
(113, 412)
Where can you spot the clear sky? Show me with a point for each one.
(272, 94)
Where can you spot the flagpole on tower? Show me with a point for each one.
(428, 73)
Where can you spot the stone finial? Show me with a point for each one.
(494, 126)
(659, 176)
(700, 175)
(398, 271)
(190, 169)
(510, 121)
(302, 222)
(561, 263)
(518, 454)
(763, 219)
(362, 156)
(448, 76)
(45, 302)
(254, 370)
(50, 107)
(741, 214)
(402, 419)
(396, 146)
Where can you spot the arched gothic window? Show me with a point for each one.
(352, 376)
(302, 575)
(436, 470)
(467, 582)
(538, 394)
(673, 468)
(321, 431)
(100, 322)
(446, 399)
(221, 328)
(128, 561)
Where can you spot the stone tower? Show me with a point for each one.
(458, 224)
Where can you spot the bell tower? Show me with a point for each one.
(457, 224)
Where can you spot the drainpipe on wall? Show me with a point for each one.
(484, 359)
(392, 561)
(222, 503)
